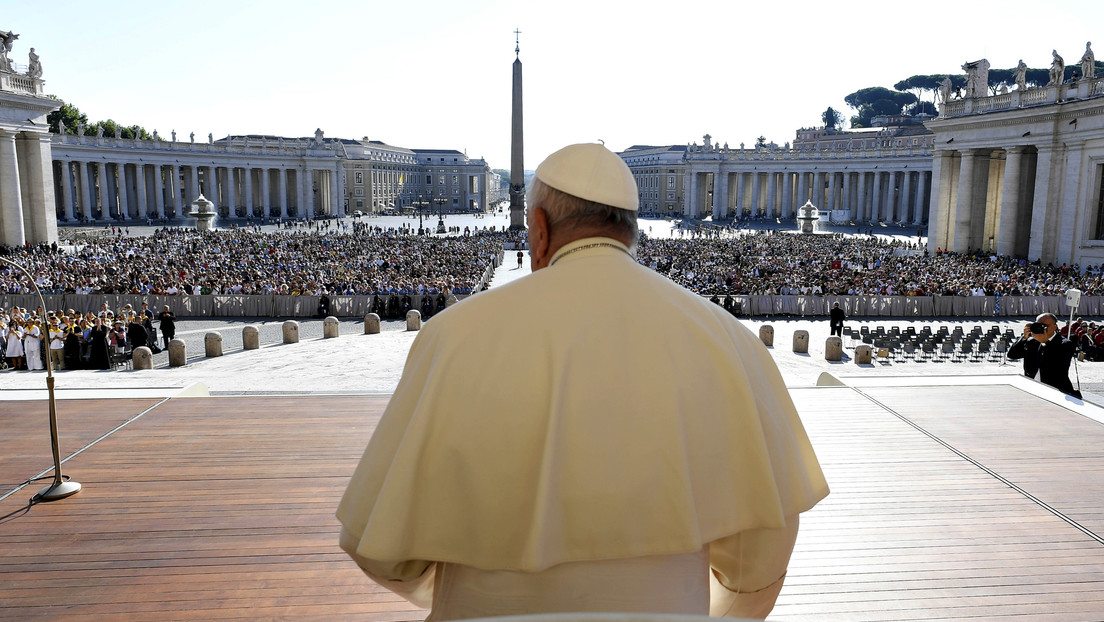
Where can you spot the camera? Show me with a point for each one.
(1037, 328)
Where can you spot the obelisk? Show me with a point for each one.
(517, 152)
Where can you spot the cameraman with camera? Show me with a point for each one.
(1046, 352)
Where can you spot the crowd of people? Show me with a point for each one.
(74, 340)
(772, 263)
(372, 260)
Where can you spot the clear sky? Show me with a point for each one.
(437, 74)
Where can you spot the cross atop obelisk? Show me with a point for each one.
(517, 152)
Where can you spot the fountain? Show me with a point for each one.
(204, 213)
(807, 215)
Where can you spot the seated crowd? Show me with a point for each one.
(244, 261)
(766, 263)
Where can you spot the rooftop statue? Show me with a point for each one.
(1019, 75)
(34, 67)
(7, 40)
(1057, 69)
(1088, 62)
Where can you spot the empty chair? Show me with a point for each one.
(947, 349)
(927, 350)
(983, 349)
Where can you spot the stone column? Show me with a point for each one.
(231, 195)
(179, 206)
(124, 195)
(772, 194)
(1010, 202)
(960, 228)
(284, 173)
(921, 198)
(11, 216)
(861, 207)
(720, 194)
(741, 185)
(848, 198)
(266, 196)
(1065, 219)
(247, 179)
(67, 190)
(105, 210)
(337, 201)
(787, 196)
(341, 191)
(140, 190)
(159, 189)
(308, 192)
(818, 190)
(193, 188)
(1039, 206)
(833, 190)
(802, 189)
(42, 214)
(756, 189)
(86, 190)
(941, 212)
(904, 199)
(212, 185)
(878, 208)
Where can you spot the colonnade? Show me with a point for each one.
(129, 190)
(892, 195)
(986, 201)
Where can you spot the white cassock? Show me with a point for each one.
(591, 437)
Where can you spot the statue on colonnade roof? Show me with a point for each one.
(7, 40)
(1088, 62)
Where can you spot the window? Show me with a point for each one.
(670, 181)
(359, 177)
(429, 180)
(359, 192)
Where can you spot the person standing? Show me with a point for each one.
(567, 484)
(835, 320)
(14, 336)
(57, 343)
(167, 325)
(1045, 351)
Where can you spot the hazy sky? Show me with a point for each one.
(437, 74)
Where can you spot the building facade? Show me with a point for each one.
(105, 178)
(26, 194)
(887, 182)
(1020, 174)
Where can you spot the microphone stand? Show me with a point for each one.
(60, 488)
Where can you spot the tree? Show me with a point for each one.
(875, 101)
(73, 117)
(832, 118)
(68, 113)
(922, 108)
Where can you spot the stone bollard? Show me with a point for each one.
(801, 341)
(330, 328)
(291, 331)
(864, 355)
(413, 319)
(766, 333)
(143, 358)
(251, 338)
(833, 349)
(178, 355)
(371, 324)
(212, 345)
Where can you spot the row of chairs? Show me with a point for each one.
(940, 345)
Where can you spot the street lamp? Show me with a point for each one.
(440, 201)
(421, 204)
(60, 488)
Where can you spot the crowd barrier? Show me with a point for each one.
(359, 306)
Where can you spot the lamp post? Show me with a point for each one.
(440, 201)
(59, 489)
(421, 204)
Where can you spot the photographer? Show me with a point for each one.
(1046, 352)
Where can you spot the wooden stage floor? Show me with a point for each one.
(948, 502)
